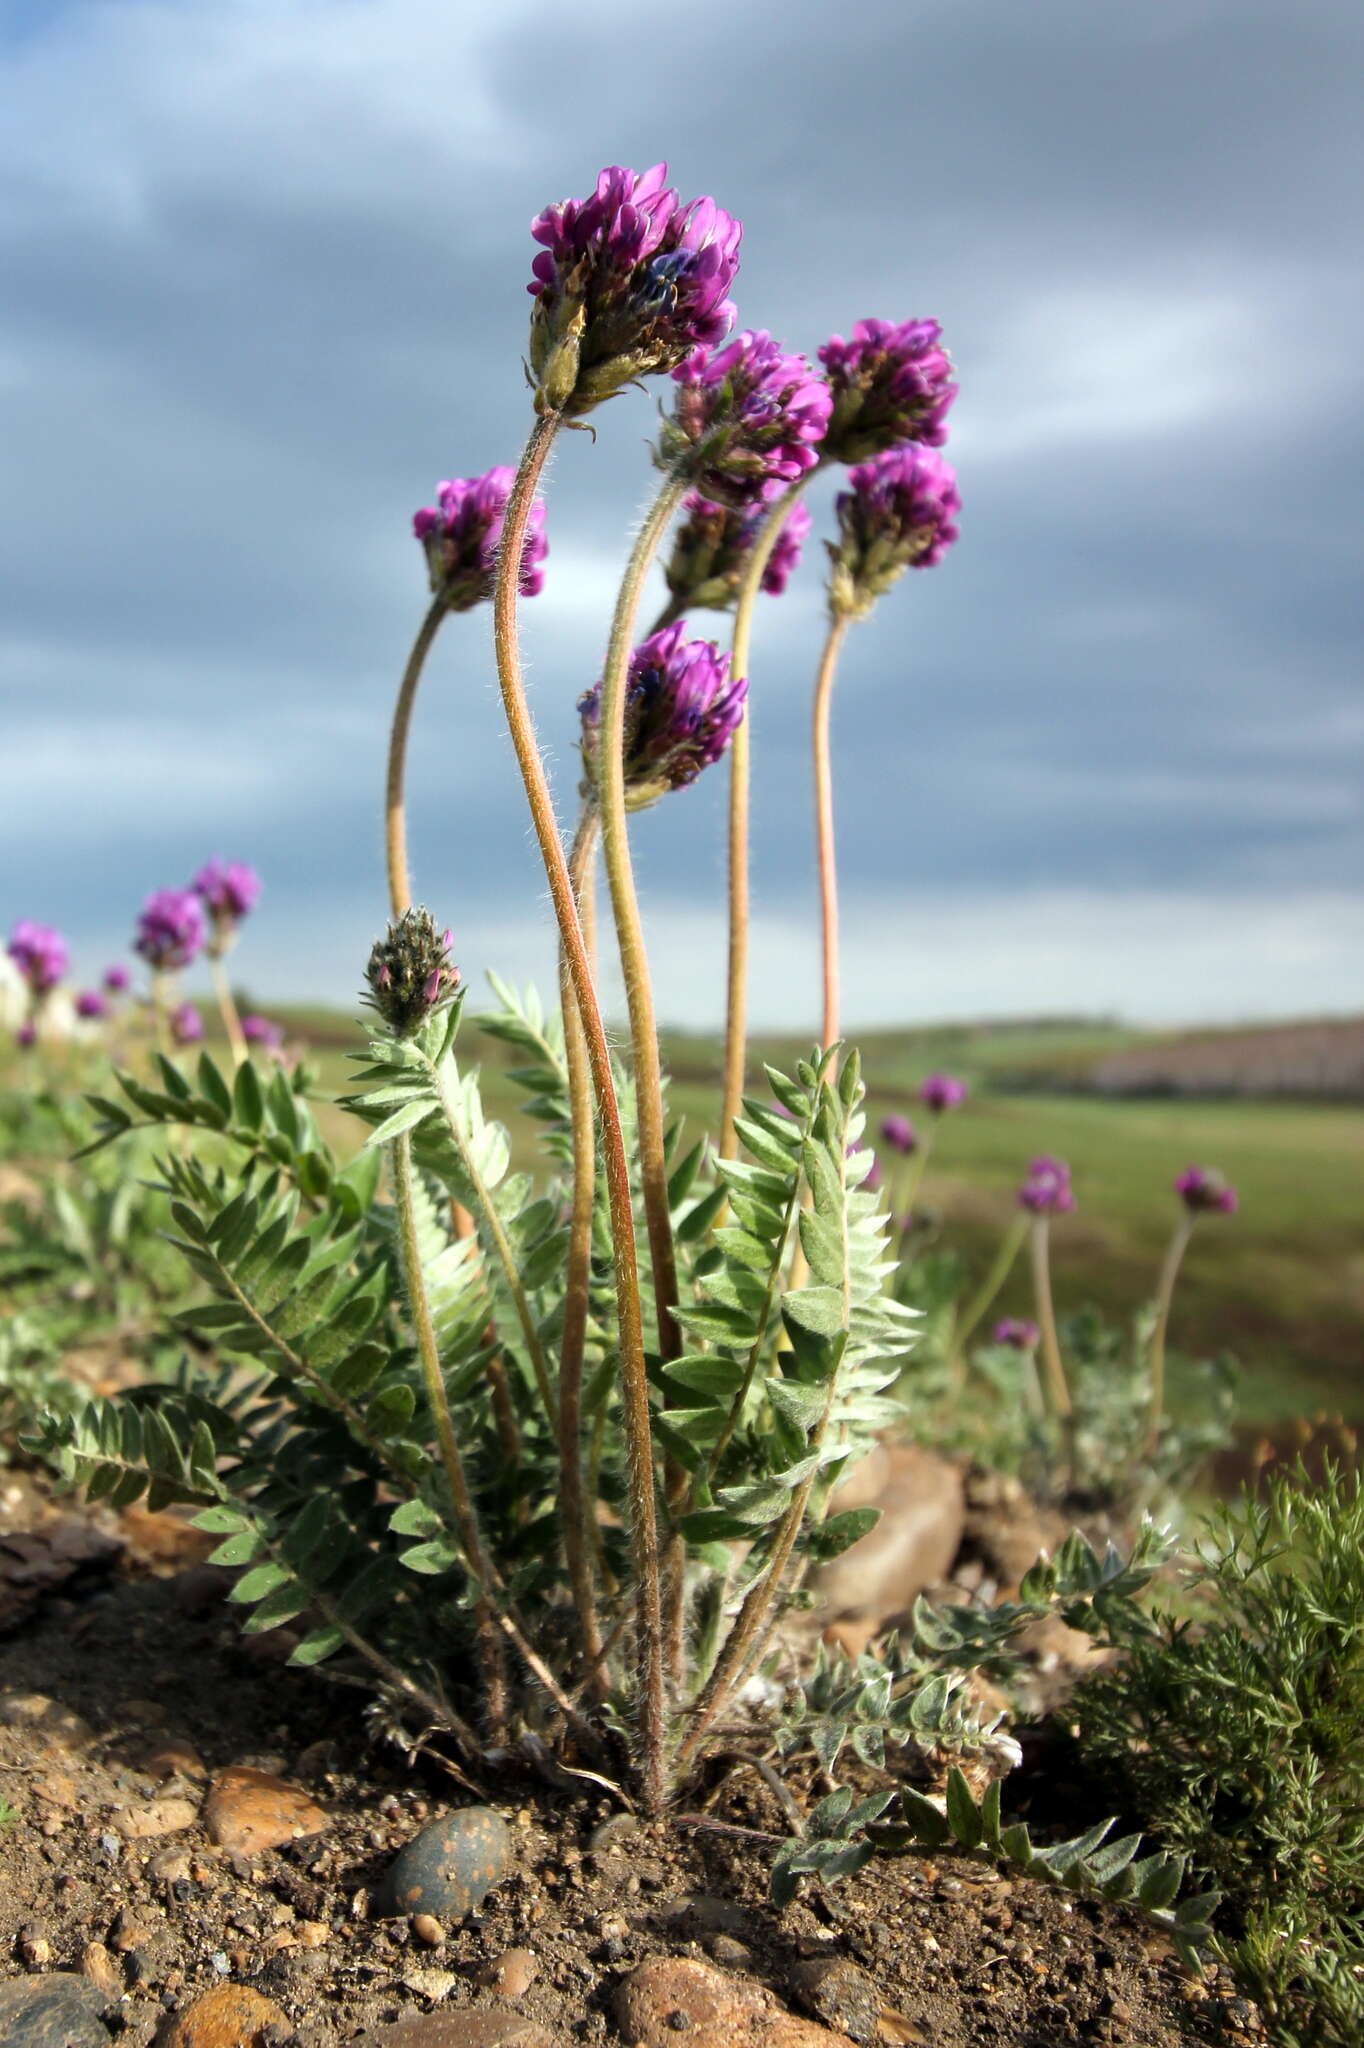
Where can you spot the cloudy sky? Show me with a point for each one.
(264, 283)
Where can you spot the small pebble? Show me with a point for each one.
(428, 1929)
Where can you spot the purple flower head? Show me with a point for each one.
(462, 532)
(410, 972)
(26, 1035)
(40, 954)
(681, 710)
(1016, 1331)
(187, 1026)
(117, 979)
(891, 383)
(170, 931)
(263, 1032)
(228, 889)
(747, 421)
(1046, 1189)
(899, 512)
(940, 1092)
(1204, 1191)
(899, 1133)
(712, 544)
(91, 1002)
(627, 282)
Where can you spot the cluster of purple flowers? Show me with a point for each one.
(228, 890)
(682, 707)
(898, 513)
(940, 1092)
(748, 419)
(890, 384)
(170, 930)
(712, 544)
(627, 282)
(1046, 1190)
(264, 1032)
(1017, 1332)
(40, 953)
(461, 534)
(1204, 1191)
(410, 971)
(899, 1133)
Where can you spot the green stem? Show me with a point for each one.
(1053, 1372)
(736, 1002)
(227, 1008)
(1169, 1273)
(620, 877)
(488, 1643)
(753, 1615)
(395, 814)
(453, 1112)
(1010, 1246)
(577, 1286)
(827, 856)
(634, 1377)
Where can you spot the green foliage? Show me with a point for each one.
(31, 1378)
(1236, 1730)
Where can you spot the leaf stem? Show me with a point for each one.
(736, 1001)
(634, 1378)
(488, 1643)
(395, 812)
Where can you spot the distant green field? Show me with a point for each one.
(1281, 1284)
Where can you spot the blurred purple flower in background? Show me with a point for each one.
(898, 513)
(92, 1003)
(462, 532)
(681, 710)
(712, 543)
(891, 383)
(747, 420)
(229, 888)
(627, 282)
(900, 1134)
(117, 979)
(170, 931)
(1046, 1190)
(27, 1034)
(186, 1025)
(1203, 1191)
(1016, 1331)
(940, 1092)
(264, 1032)
(40, 953)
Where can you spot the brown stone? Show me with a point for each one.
(834, 1989)
(471, 2028)
(675, 1995)
(99, 1966)
(512, 1973)
(38, 1715)
(229, 2016)
(175, 1759)
(428, 1930)
(923, 1513)
(165, 1535)
(248, 1811)
(158, 1817)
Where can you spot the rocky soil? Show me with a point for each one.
(200, 1851)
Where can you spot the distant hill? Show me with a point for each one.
(1323, 1058)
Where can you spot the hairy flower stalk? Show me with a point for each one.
(1046, 1192)
(410, 974)
(228, 890)
(895, 515)
(574, 1511)
(1203, 1191)
(460, 535)
(736, 973)
(630, 1334)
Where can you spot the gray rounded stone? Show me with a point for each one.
(450, 1867)
(56, 2010)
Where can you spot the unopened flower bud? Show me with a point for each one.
(410, 972)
